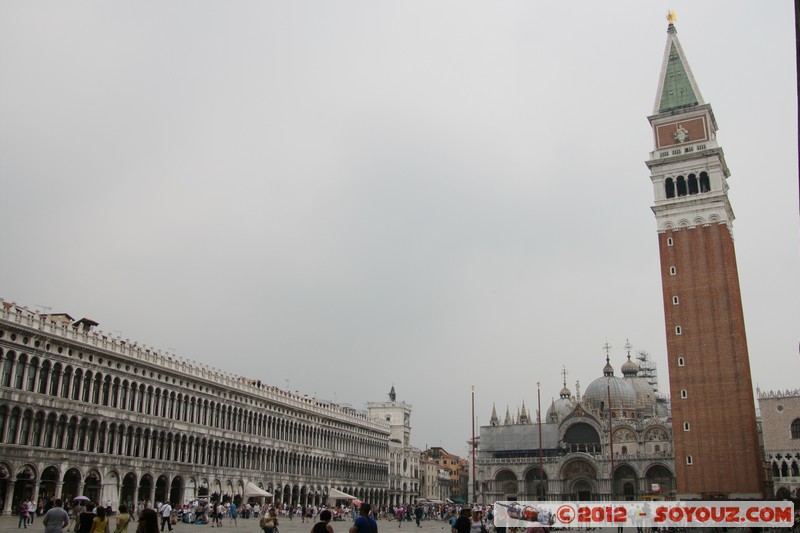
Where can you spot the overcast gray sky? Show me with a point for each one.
(341, 196)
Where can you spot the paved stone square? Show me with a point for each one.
(8, 524)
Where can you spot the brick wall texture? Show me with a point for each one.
(722, 437)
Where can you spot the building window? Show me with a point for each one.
(669, 188)
(686, 426)
(674, 300)
(678, 330)
(672, 271)
(681, 186)
(705, 183)
(689, 460)
(669, 241)
(693, 184)
(684, 394)
(681, 361)
(796, 428)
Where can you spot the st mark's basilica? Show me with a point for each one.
(581, 445)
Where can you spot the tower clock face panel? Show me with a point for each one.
(690, 130)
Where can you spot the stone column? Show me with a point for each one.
(48, 380)
(9, 497)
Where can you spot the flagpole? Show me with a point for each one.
(474, 480)
(539, 418)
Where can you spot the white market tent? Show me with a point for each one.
(335, 494)
(251, 490)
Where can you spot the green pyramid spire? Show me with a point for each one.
(677, 91)
(678, 88)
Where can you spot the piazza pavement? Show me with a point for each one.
(8, 524)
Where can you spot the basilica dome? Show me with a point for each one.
(620, 391)
(645, 395)
(561, 407)
(630, 369)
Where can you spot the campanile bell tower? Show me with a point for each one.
(713, 408)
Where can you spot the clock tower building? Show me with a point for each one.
(713, 408)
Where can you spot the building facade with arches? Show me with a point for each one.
(614, 443)
(83, 413)
(780, 432)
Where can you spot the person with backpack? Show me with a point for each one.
(123, 519)
(453, 519)
(166, 512)
(364, 523)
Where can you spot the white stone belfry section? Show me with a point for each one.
(687, 166)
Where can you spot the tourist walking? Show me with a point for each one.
(219, 514)
(86, 519)
(463, 524)
(148, 521)
(23, 515)
(55, 519)
(100, 522)
(324, 524)
(123, 519)
(166, 512)
(269, 521)
(364, 523)
(476, 524)
(76, 511)
(31, 511)
(233, 514)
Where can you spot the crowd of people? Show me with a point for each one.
(83, 516)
